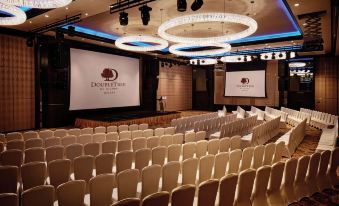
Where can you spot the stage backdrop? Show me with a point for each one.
(100, 80)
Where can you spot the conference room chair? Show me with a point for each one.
(200, 135)
(112, 128)
(159, 155)
(127, 182)
(259, 196)
(122, 128)
(31, 143)
(273, 191)
(213, 146)
(100, 190)
(156, 199)
(34, 155)
(311, 176)
(153, 142)
(246, 159)
(287, 187)
(173, 152)
(234, 161)
(279, 150)
(227, 190)
(169, 131)
(150, 178)
(14, 136)
(207, 192)
(42, 195)
(170, 176)
(189, 171)
(224, 144)
(92, 149)
(9, 179)
(124, 145)
(11, 158)
(123, 161)
(188, 150)
(87, 130)
(136, 134)
(99, 137)
(99, 129)
(159, 132)
(139, 143)
(104, 163)
(54, 153)
(30, 135)
(268, 154)
(133, 127)
(123, 135)
(83, 167)
(128, 202)
(15, 145)
(109, 147)
(59, 172)
(147, 133)
(143, 126)
(74, 131)
(206, 164)
(244, 188)
(333, 167)
(220, 165)
(84, 139)
(52, 141)
(2, 147)
(201, 148)
(142, 158)
(112, 136)
(323, 180)
(300, 186)
(33, 174)
(258, 156)
(74, 150)
(9, 199)
(183, 195)
(235, 142)
(178, 138)
(166, 140)
(47, 133)
(71, 193)
(68, 140)
(60, 133)
(3, 138)
(189, 137)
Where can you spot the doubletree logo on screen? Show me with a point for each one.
(109, 84)
(245, 83)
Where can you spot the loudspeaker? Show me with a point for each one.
(60, 56)
(282, 68)
(282, 82)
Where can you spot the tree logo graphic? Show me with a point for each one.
(109, 73)
(245, 80)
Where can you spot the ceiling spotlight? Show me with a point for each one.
(145, 15)
(123, 18)
(181, 5)
(296, 4)
(197, 4)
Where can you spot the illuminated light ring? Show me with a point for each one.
(239, 58)
(205, 61)
(18, 17)
(208, 17)
(39, 4)
(297, 64)
(121, 43)
(224, 47)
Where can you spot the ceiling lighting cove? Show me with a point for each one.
(178, 49)
(39, 4)
(18, 16)
(205, 61)
(123, 41)
(208, 17)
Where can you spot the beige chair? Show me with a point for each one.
(220, 164)
(201, 148)
(127, 182)
(136, 134)
(85, 139)
(213, 146)
(125, 135)
(170, 176)
(207, 192)
(2, 147)
(99, 129)
(59, 172)
(15, 145)
(178, 138)
(60, 133)
(189, 171)
(234, 161)
(227, 189)
(188, 150)
(122, 128)
(3, 138)
(30, 135)
(206, 167)
(74, 131)
(112, 136)
(245, 186)
(34, 155)
(147, 133)
(68, 140)
(189, 137)
(133, 127)
(87, 130)
(14, 136)
(159, 155)
(300, 186)
(287, 187)
(139, 143)
(143, 126)
(273, 192)
(332, 173)
(101, 190)
(44, 134)
(258, 156)
(124, 145)
(71, 193)
(112, 128)
(9, 179)
(166, 140)
(269, 153)
(183, 195)
(159, 132)
(142, 158)
(33, 174)
(83, 167)
(246, 160)
(235, 142)
(52, 141)
(42, 195)
(104, 163)
(124, 161)
(11, 158)
(156, 199)
(311, 178)
(54, 153)
(224, 144)
(109, 147)
(92, 149)
(259, 197)
(201, 135)
(153, 142)
(323, 181)
(9, 199)
(279, 150)
(150, 177)
(128, 202)
(169, 131)
(99, 137)
(173, 152)
(74, 150)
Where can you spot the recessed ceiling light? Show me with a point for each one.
(66, 8)
(30, 22)
(304, 24)
(46, 15)
(296, 4)
(86, 14)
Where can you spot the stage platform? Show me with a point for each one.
(137, 117)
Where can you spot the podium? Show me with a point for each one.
(162, 103)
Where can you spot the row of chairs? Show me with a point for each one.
(271, 113)
(255, 111)
(184, 124)
(240, 112)
(320, 120)
(295, 117)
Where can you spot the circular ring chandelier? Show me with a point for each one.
(40, 4)
(160, 43)
(224, 47)
(205, 61)
(18, 16)
(208, 17)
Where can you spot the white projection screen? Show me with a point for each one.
(100, 80)
(245, 83)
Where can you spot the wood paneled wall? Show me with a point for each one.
(176, 84)
(271, 89)
(327, 84)
(16, 84)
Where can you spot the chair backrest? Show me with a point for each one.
(235, 142)
(9, 199)
(147, 133)
(43, 134)
(166, 140)
(68, 140)
(123, 127)
(92, 149)
(246, 160)
(34, 155)
(206, 167)
(42, 195)
(279, 149)
(190, 137)
(112, 128)
(109, 146)
(112, 136)
(74, 131)
(188, 150)
(302, 167)
(173, 152)
(71, 193)
(178, 138)
(290, 169)
(74, 150)
(14, 136)
(142, 158)
(2, 147)
(54, 153)
(150, 177)
(139, 143)
(153, 142)
(128, 202)
(159, 132)
(52, 141)
(156, 199)
(124, 145)
(224, 144)
(59, 171)
(11, 157)
(133, 127)
(3, 138)
(125, 135)
(277, 171)
(159, 155)
(170, 175)
(245, 186)
(227, 188)
(60, 133)
(127, 182)
(261, 183)
(15, 144)
(189, 170)
(8, 179)
(30, 135)
(333, 167)
(269, 153)
(201, 135)
(87, 130)
(100, 129)
(234, 161)
(83, 167)
(101, 189)
(220, 164)
(201, 148)
(85, 139)
(38, 169)
(123, 161)
(143, 126)
(136, 134)
(169, 130)
(31, 143)
(213, 146)
(207, 192)
(104, 163)
(258, 156)
(313, 166)
(183, 195)
(99, 137)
